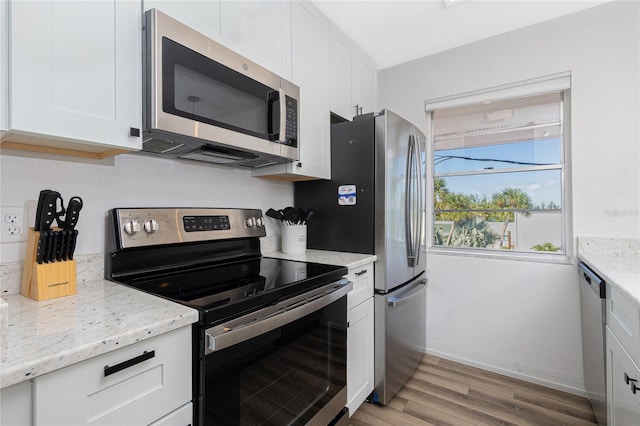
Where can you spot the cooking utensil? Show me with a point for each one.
(309, 216)
(292, 215)
(275, 214)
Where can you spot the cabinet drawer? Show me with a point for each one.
(623, 318)
(135, 385)
(362, 278)
(183, 416)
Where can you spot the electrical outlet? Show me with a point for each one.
(13, 229)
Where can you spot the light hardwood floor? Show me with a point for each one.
(443, 392)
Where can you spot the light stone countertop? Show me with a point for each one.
(616, 260)
(350, 260)
(40, 337)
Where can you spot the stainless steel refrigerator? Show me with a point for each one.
(375, 204)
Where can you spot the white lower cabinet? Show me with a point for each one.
(623, 384)
(359, 354)
(183, 416)
(360, 336)
(15, 405)
(135, 385)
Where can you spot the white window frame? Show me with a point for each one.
(560, 82)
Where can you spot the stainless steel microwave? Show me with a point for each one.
(204, 102)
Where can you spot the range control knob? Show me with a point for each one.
(250, 222)
(131, 227)
(259, 221)
(151, 226)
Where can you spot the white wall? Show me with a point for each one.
(130, 181)
(518, 317)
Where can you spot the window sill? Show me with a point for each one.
(560, 259)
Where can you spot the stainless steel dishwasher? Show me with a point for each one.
(592, 305)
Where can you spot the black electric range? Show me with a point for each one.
(210, 260)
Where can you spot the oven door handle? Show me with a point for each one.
(226, 335)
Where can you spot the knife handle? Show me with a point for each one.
(61, 250)
(42, 245)
(48, 213)
(73, 213)
(71, 247)
(41, 201)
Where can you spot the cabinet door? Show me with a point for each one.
(76, 71)
(359, 354)
(259, 30)
(134, 385)
(353, 78)
(341, 77)
(15, 404)
(310, 72)
(623, 404)
(623, 318)
(363, 79)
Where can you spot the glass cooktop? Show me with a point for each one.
(228, 290)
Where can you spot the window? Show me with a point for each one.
(499, 174)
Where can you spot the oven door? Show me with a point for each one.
(283, 365)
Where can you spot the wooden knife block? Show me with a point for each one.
(43, 281)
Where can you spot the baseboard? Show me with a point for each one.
(513, 374)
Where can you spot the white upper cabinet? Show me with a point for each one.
(353, 78)
(310, 71)
(363, 82)
(75, 75)
(259, 30)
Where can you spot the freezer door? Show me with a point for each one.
(399, 201)
(400, 337)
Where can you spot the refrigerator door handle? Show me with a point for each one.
(394, 302)
(420, 205)
(411, 256)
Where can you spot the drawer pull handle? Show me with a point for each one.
(628, 379)
(126, 364)
(364, 271)
(634, 388)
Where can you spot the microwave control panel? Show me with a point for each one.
(291, 132)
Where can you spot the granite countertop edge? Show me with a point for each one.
(41, 337)
(617, 261)
(349, 260)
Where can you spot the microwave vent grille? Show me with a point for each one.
(160, 146)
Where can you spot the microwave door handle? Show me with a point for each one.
(282, 131)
